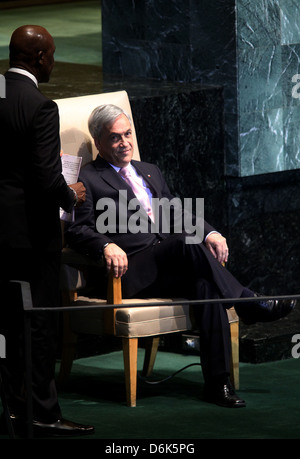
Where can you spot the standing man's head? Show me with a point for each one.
(111, 130)
(32, 48)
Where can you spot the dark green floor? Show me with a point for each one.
(175, 409)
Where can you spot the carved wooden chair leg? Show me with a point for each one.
(130, 351)
(234, 330)
(150, 355)
(130, 345)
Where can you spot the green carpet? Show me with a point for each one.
(175, 409)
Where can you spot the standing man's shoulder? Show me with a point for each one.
(22, 87)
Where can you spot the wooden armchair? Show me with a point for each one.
(128, 323)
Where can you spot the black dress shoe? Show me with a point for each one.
(223, 395)
(265, 311)
(277, 309)
(61, 428)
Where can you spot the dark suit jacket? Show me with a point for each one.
(32, 187)
(103, 182)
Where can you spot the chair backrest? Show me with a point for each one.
(74, 113)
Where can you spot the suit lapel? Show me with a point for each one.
(111, 177)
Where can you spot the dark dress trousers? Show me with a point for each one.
(32, 189)
(161, 263)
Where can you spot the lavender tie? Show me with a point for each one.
(138, 190)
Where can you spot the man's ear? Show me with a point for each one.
(40, 57)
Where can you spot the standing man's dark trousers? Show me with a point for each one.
(190, 271)
(42, 271)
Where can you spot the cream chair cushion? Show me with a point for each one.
(133, 322)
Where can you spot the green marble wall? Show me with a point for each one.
(268, 53)
(250, 47)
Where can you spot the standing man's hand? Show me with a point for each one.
(80, 190)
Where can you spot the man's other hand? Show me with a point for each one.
(217, 245)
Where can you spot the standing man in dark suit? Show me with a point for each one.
(32, 190)
(159, 262)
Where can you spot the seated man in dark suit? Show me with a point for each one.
(159, 262)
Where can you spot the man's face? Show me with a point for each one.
(116, 142)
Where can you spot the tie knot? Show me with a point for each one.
(124, 172)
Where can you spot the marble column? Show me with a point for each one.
(250, 47)
(180, 41)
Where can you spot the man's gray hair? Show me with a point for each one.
(103, 115)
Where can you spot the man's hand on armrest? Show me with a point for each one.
(217, 245)
(116, 259)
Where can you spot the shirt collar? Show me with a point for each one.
(24, 72)
(117, 168)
